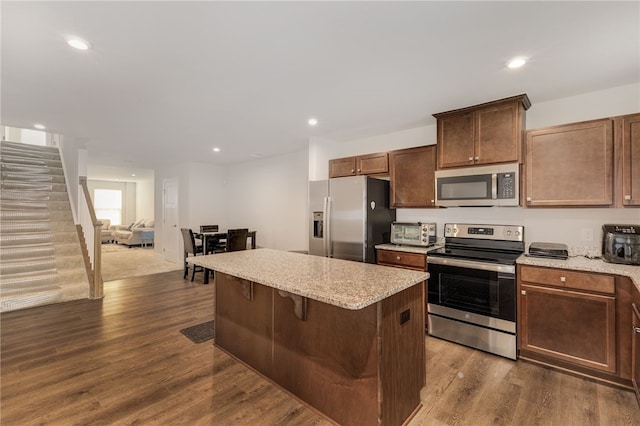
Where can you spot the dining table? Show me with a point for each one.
(220, 235)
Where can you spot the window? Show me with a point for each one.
(108, 204)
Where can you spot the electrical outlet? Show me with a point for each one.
(586, 234)
(405, 316)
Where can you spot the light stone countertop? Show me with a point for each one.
(580, 263)
(343, 283)
(407, 249)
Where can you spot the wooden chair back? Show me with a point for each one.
(237, 239)
(189, 241)
(209, 228)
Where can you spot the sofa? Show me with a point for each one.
(139, 233)
(105, 231)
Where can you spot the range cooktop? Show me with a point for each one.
(478, 255)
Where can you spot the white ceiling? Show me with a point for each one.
(165, 82)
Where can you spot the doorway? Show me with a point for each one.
(170, 232)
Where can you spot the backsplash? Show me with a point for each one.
(579, 229)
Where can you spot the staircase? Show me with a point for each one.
(41, 260)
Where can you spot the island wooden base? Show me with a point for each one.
(357, 367)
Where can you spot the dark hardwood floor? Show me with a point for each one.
(122, 360)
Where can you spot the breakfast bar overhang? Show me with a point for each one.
(345, 337)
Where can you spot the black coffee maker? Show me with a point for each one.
(621, 244)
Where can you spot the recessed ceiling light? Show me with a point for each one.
(516, 62)
(216, 149)
(78, 43)
(312, 121)
(133, 174)
(39, 126)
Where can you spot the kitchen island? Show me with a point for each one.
(345, 337)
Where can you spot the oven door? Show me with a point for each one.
(462, 286)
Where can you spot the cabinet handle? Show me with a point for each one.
(359, 170)
(397, 257)
(523, 292)
(352, 170)
(433, 201)
(627, 197)
(470, 158)
(563, 279)
(477, 158)
(528, 199)
(636, 330)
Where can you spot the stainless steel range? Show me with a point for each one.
(472, 286)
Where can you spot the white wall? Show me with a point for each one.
(145, 208)
(550, 225)
(201, 195)
(270, 196)
(207, 196)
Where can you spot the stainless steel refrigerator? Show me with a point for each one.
(349, 216)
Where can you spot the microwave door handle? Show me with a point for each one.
(494, 186)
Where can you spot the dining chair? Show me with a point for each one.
(237, 239)
(190, 248)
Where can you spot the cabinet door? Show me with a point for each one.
(341, 167)
(455, 140)
(402, 259)
(497, 134)
(412, 175)
(372, 164)
(574, 327)
(570, 165)
(635, 351)
(631, 160)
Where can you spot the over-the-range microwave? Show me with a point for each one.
(495, 185)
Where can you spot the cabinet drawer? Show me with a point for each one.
(402, 259)
(568, 279)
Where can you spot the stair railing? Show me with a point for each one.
(91, 229)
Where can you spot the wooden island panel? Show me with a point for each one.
(330, 360)
(243, 327)
(402, 374)
(364, 366)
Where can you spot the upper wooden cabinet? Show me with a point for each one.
(627, 135)
(370, 164)
(483, 134)
(570, 165)
(412, 178)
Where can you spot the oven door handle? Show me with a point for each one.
(508, 269)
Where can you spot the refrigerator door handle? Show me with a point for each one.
(326, 241)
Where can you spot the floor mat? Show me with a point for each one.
(199, 333)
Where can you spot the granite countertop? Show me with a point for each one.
(407, 249)
(343, 283)
(581, 263)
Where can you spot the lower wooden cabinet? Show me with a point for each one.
(574, 320)
(402, 259)
(571, 326)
